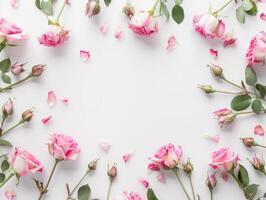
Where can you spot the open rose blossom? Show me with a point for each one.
(57, 35)
(63, 147)
(10, 32)
(168, 156)
(256, 53)
(143, 23)
(132, 196)
(224, 160)
(24, 162)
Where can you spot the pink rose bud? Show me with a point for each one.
(37, 70)
(129, 10)
(17, 69)
(248, 141)
(211, 181)
(27, 115)
(225, 116)
(258, 164)
(216, 70)
(7, 109)
(188, 167)
(63, 147)
(92, 165)
(112, 172)
(92, 8)
(24, 162)
(207, 89)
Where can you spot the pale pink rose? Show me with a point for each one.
(258, 130)
(171, 43)
(208, 26)
(132, 196)
(51, 98)
(224, 160)
(46, 120)
(224, 116)
(85, 55)
(256, 53)
(263, 16)
(214, 53)
(24, 162)
(63, 147)
(168, 156)
(17, 68)
(144, 182)
(8, 107)
(57, 35)
(10, 32)
(10, 195)
(143, 23)
(229, 38)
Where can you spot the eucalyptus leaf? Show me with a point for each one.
(243, 176)
(251, 76)
(247, 5)
(251, 190)
(5, 65)
(107, 2)
(254, 10)
(178, 14)
(240, 15)
(151, 195)
(164, 10)
(47, 7)
(261, 89)
(84, 192)
(257, 106)
(2, 46)
(178, 2)
(241, 102)
(5, 143)
(6, 78)
(5, 165)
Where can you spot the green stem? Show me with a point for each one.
(192, 187)
(225, 92)
(9, 87)
(238, 182)
(244, 112)
(61, 12)
(211, 193)
(259, 145)
(181, 183)
(49, 180)
(6, 180)
(109, 189)
(215, 13)
(11, 128)
(154, 7)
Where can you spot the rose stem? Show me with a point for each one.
(181, 183)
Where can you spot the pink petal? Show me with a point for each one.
(214, 138)
(126, 157)
(118, 33)
(51, 99)
(161, 177)
(214, 53)
(171, 43)
(46, 120)
(225, 176)
(263, 16)
(144, 182)
(104, 28)
(68, 2)
(105, 146)
(258, 130)
(14, 3)
(10, 195)
(85, 55)
(65, 101)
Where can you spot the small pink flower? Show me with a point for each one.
(14, 3)
(263, 16)
(132, 196)
(118, 33)
(258, 130)
(224, 116)
(224, 160)
(10, 32)
(126, 157)
(46, 120)
(105, 146)
(161, 177)
(57, 35)
(8, 107)
(24, 162)
(51, 98)
(144, 182)
(63, 147)
(104, 28)
(208, 26)
(215, 138)
(256, 53)
(228, 38)
(214, 52)
(17, 69)
(10, 195)
(171, 43)
(143, 23)
(85, 55)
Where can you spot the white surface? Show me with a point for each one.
(131, 93)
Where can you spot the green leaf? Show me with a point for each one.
(251, 77)
(38, 4)
(254, 10)
(257, 106)
(250, 191)
(107, 2)
(178, 14)
(261, 89)
(240, 15)
(47, 7)
(151, 195)
(5, 143)
(178, 2)
(2, 177)
(5, 165)
(247, 5)
(84, 192)
(5, 65)
(2, 46)
(243, 175)
(164, 11)
(241, 102)
(6, 78)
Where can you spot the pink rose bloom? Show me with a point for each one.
(143, 23)
(57, 35)
(224, 116)
(208, 26)
(168, 156)
(10, 32)
(24, 162)
(132, 196)
(63, 147)
(256, 53)
(224, 160)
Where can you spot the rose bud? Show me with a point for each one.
(92, 165)
(7, 108)
(92, 8)
(248, 141)
(37, 70)
(216, 70)
(27, 115)
(112, 172)
(188, 167)
(17, 69)
(258, 164)
(211, 181)
(129, 10)
(225, 116)
(207, 89)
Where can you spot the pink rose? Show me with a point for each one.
(63, 147)
(225, 116)
(143, 23)
(10, 32)
(224, 160)
(208, 26)
(57, 35)
(132, 196)
(24, 162)
(168, 156)
(256, 53)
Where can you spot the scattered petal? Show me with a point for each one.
(51, 99)
(118, 33)
(65, 101)
(263, 16)
(171, 43)
(85, 55)
(258, 130)
(126, 157)
(14, 3)
(214, 138)
(10, 195)
(68, 2)
(144, 182)
(46, 120)
(214, 53)
(225, 176)
(104, 28)
(105, 146)
(161, 177)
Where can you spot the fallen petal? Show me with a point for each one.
(104, 28)
(51, 99)
(14, 3)
(214, 53)
(144, 182)
(85, 55)
(263, 16)
(126, 157)
(118, 33)
(171, 43)
(258, 130)
(46, 120)
(10, 195)
(161, 177)
(65, 101)
(214, 138)
(105, 146)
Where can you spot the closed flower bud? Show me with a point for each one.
(112, 172)
(27, 115)
(258, 164)
(92, 8)
(248, 141)
(7, 108)
(129, 10)
(37, 70)
(92, 165)
(211, 181)
(216, 70)
(207, 89)
(17, 69)
(188, 167)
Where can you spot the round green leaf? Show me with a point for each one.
(261, 89)
(247, 5)
(84, 192)
(5, 65)
(178, 13)
(257, 106)
(250, 191)
(240, 15)
(241, 102)
(6, 78)
(254, 10)
(47, 7)
(2, 177)
(5, 165)
(251, 77)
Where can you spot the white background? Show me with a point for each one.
(132, 93)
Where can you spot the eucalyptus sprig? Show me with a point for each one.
(177, 11)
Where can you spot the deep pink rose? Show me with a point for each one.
(208, 26)
(10, 32)
(143, 23)
(256, 53)
(168, 156)
(132, 196)
(57, 35)
(24, 162)
(63, 147)
(225, 116)
(224, 160)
